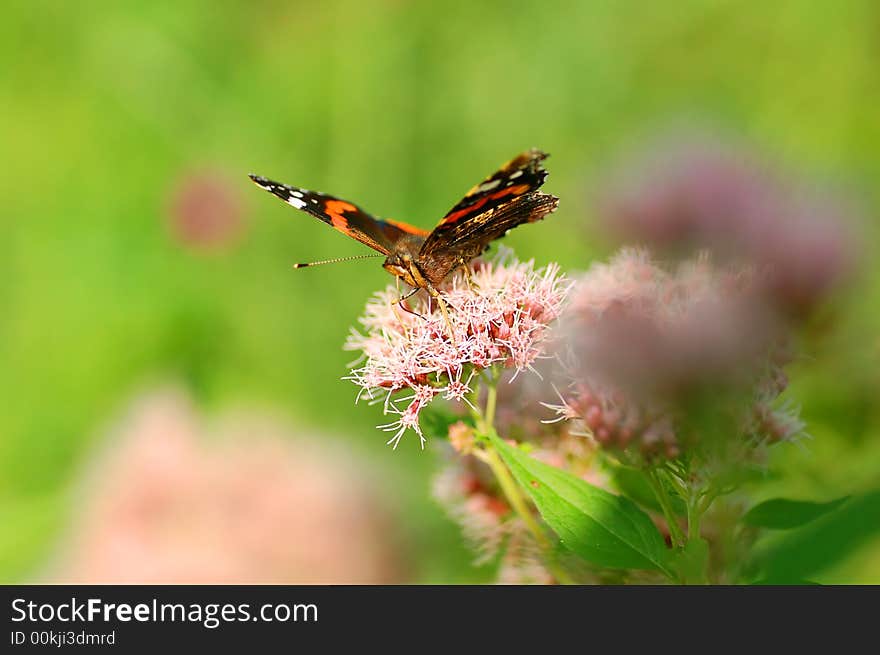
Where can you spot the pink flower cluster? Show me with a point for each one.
(176, 498)
(614, 422)
(664, 332)
(500, 317)
(474, 504)
(704, 192)
(643, 343)
(465, 489)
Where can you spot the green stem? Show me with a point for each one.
(491, 401)
(475, 401)
(678, 538)
(518, 503)
(514, 497)
(509, 487)
(693, 517)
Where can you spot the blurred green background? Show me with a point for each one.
(110, 110)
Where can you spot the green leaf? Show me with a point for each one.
(604, 529)
(783, 514)
(798, 554)
(633, 484)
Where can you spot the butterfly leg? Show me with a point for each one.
(402, 299)
(467, 275)
(442, 304)
(393, 307)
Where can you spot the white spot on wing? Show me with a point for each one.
(513, 176)
(296, 202)
(488, 186)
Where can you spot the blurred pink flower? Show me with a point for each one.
(523, 563)
(693, 191)
(205, 212)
(502, 320)
(658, 332)
(641, 344)
(243, 502)
(469, 499)
(613, 421)
(469, 494)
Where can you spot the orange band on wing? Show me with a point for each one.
(335, 210)
(406, 227)
(511, 190)
(472, 209)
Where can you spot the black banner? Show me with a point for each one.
(143, 617)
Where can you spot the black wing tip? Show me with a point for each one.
(546, 201)
(549, 204)
(259, 180)
(535, 164)
(537, 153)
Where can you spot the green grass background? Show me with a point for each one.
(400, 106)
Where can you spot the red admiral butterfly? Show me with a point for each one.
(423, 259)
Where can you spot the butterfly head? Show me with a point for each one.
(403, 265)
(402, 261)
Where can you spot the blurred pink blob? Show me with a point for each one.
(697, 191)
(665, 332)
(642, 344)
(467, 492)
(205, 212)
(244, 503)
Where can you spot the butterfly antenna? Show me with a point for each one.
(337, 259)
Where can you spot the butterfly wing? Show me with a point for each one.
(502, 201)
(521, 175)
(346, 217)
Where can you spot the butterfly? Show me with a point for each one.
(507, 198)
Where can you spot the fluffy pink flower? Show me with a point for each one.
(614, 421)
(643, 343)
(704, 192)
(237, 500)
(658, 332)
(502, 319)
(469, 494)
(484, 518)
